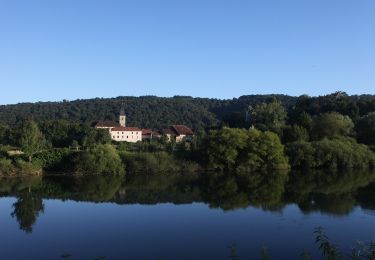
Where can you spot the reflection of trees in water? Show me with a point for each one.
(331, 192)
(261, 189)
(83, 188)
(27, 209)
(366, 197)
(12, 185)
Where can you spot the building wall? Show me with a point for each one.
(126, 136)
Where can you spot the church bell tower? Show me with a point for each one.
(122, 119)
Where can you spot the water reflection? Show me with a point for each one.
(334, 193)
(27, 209)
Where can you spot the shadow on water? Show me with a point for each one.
(336, 193)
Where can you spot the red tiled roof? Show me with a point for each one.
(182, 130)
(107, 124)
(146, 131)
(168, 131)
(121, 128)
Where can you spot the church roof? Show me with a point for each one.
(125, 129)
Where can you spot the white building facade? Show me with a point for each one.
(126, 134)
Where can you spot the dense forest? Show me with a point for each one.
(248, 134)
(146, 111)
(159, 112)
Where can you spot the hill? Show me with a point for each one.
(145, 111)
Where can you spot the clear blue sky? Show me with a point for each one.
(69, 49)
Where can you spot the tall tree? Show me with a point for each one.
(366, 129)
(331, 125)
(32, 140)
(269, 116)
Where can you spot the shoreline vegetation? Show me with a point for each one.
(333, 132)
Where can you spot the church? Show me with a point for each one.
(119, 131)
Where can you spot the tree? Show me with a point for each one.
(4, 134)
(224, 147)
(263, 151)
(101, 159)
(365, 129)
(269, 116)
(245, 150)
(32, 140)
(331, 125)
(294, 133)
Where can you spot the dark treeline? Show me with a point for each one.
(147, 111)
(157, 112)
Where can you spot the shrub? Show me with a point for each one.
(54, 159)
(245, 150)
(6, 166)
(101, 159)
(338, 153)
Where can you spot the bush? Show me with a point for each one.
(101, 159)
(27, 168)
(339, 153)
(160, 162)
(54, 159)
(6, 166)
(245, 150)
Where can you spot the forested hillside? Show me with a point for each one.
(159, 112)
(146, 111)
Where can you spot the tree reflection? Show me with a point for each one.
(333, 192)
(27, 209)
(262, 189)
(328, 192)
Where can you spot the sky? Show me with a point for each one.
(73, 49)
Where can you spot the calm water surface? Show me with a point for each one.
(182, 218)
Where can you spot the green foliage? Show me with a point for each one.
(329, 251)
(294, 133)
(269, 116)
(27, 168)
(263, 151)
(6, 167)
(301, 155)
(54, 159)
(331, 125)
(224, 147)
(101, 159)
(341, 153)
(31, 139)
(365, 129)
(158, 162)
(146, 111)
(245, 150)
(4, 134)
